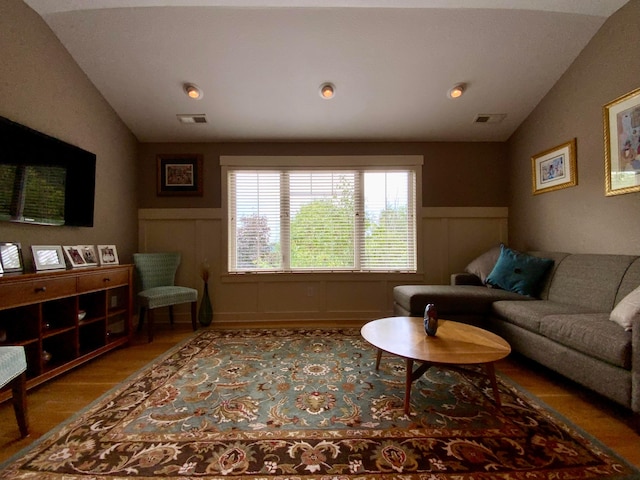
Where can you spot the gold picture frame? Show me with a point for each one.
(621, 118)
(555, 168)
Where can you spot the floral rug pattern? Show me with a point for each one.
(303, 404)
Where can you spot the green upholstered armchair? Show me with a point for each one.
(13, 371)
(156, 275)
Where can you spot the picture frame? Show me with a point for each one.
(74, 256)
(11, 257)
(108, 255)
(48, 257)
(89, 255)
(179, 175)
(555, 168)
(621, 118)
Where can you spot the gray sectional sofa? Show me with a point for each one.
(566, 327)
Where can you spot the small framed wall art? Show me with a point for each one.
(48, 257)
(555, 168)
(108, 255)
(622, 144)
(179, 174)
(11, 257)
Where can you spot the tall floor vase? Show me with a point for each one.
(205, 314)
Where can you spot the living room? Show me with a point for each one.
(462, 213)
(460, 220)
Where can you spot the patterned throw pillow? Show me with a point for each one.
(518, 272)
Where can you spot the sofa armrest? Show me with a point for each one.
(465, 279)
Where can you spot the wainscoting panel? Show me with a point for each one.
(449, 238)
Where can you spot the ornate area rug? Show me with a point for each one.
(275, 404)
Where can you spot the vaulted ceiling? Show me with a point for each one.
(260, 64)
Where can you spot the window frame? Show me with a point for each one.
(321, 163)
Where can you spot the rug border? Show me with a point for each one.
(36, 443)
(536, 402)
(539, 404)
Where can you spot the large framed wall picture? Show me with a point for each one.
(179, 174)
(622, 144)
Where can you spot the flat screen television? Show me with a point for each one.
(44, 180)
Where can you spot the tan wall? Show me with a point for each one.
(43, 88)
(454, 174)
(451, 237)
(464, 213)
(581, 218)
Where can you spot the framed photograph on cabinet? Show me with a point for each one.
(179, 174)
(108, 255)
(555, 168)
(11, 257)
(89, 255)
(622, 144)
(74, 256)
(48, 257)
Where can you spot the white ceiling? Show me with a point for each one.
(260, 64)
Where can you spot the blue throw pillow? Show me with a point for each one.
(518, 272)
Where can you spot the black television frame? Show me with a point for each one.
(23, 146)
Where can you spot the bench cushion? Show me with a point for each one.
(451, 299)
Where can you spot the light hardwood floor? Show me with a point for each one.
(57, 400)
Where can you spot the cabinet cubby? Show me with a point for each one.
(65, 318)
(19, 326)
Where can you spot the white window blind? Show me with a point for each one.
(329, 219)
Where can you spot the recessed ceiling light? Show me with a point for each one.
(193, 91)
(327, 91)
(457, 90)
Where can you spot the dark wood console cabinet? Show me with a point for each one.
(65, 318)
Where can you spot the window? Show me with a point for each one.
(289, 219)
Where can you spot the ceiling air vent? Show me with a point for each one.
(193, 118)
(490, 117)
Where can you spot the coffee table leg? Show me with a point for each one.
(378, 357)
(407, 386)
(491, 373)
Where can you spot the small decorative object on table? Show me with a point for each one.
(205, 314)
(430, 320)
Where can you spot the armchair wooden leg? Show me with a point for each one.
(171, 315)
(141, 318)
(150, 324)
(19, 390)
(194, 315)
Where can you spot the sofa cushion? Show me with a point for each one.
(483, 265)
(527, 315)
(545, 283)
(518, 272)
(627, 310)
(589, 280)
(592, 334)
(467, 299)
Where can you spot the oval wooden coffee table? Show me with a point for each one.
(454, 344)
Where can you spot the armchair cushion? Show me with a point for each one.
(164, 296)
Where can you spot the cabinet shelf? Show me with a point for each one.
(22, 343)
(66, 318)
(89, 321)
(52, 332)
